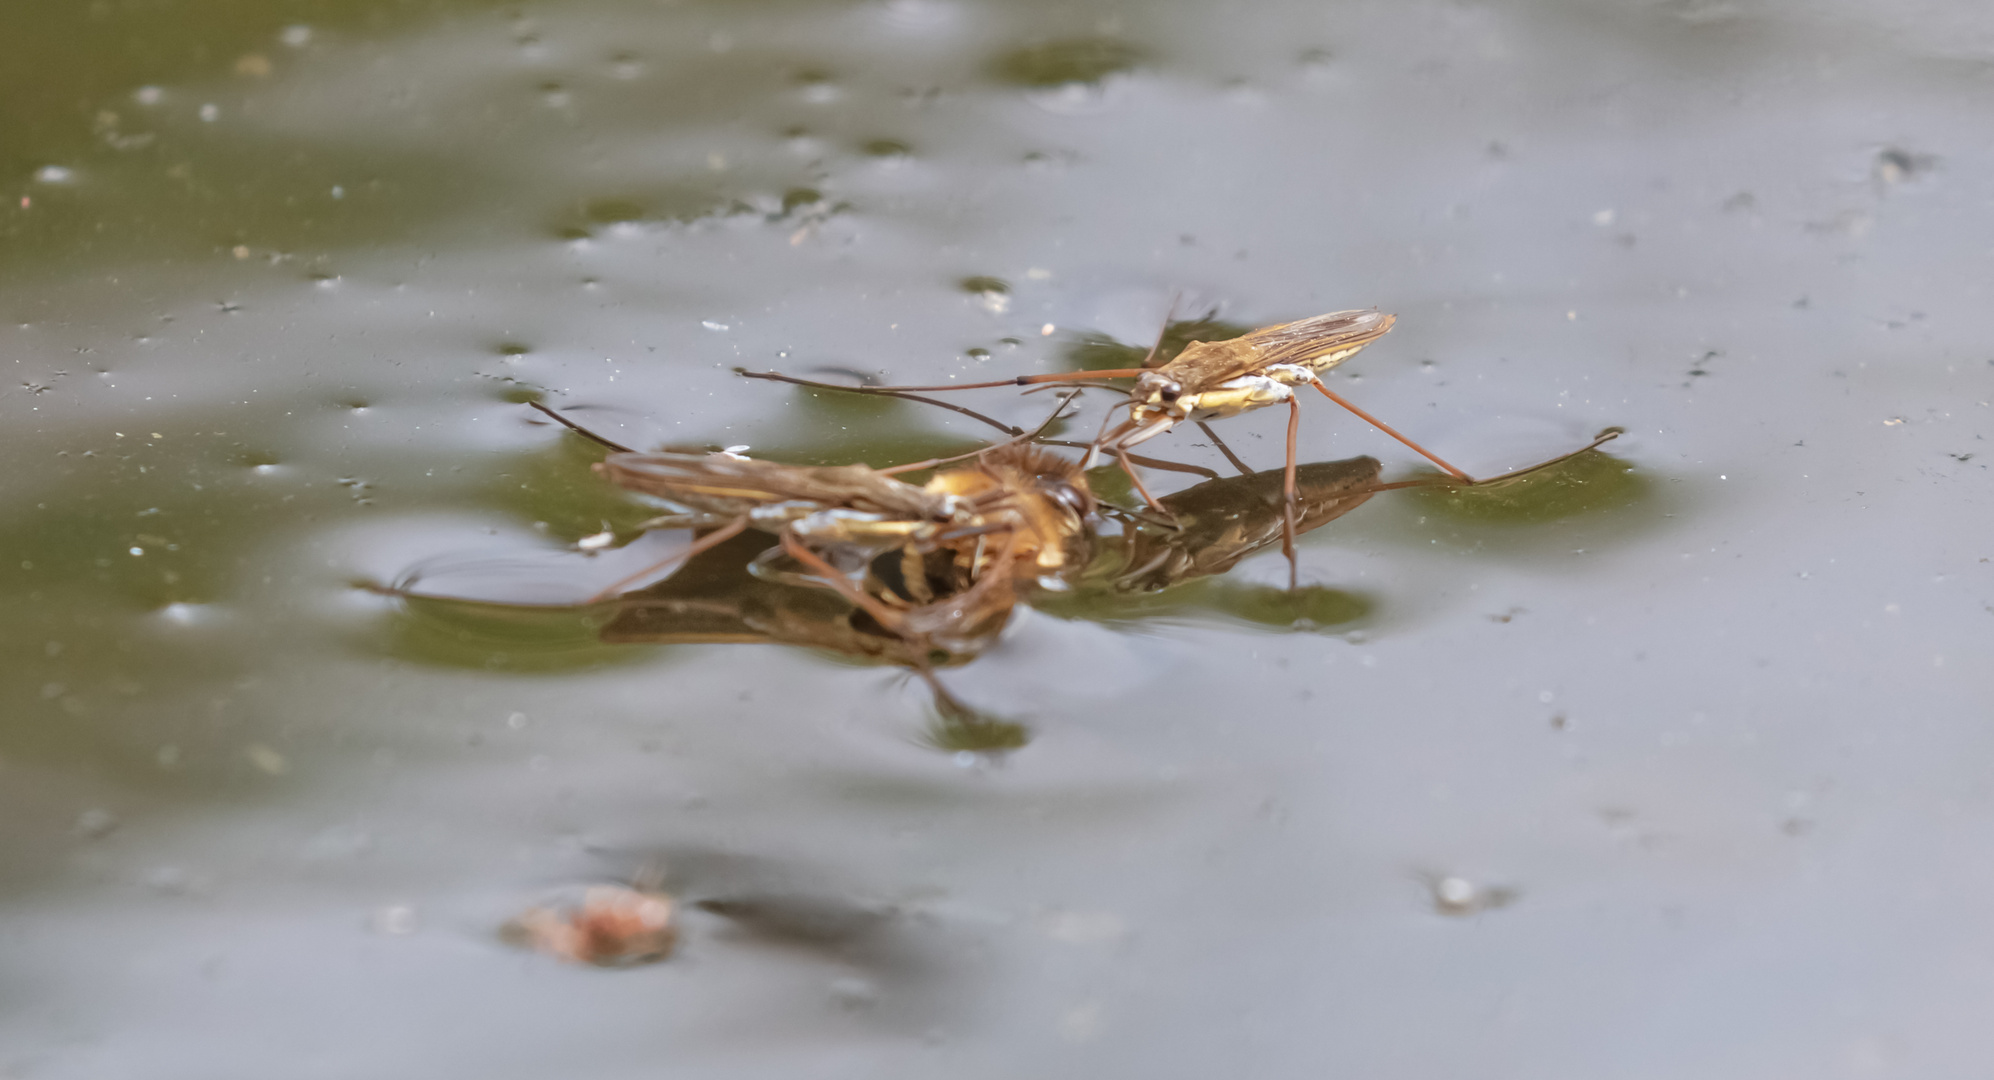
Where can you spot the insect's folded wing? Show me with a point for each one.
(724, 483)
(703, 477)
(1306, 339)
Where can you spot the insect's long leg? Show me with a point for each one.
(945, 703)
(1017, 436)
(1102, 436)
(580, 430)
(1288, 496)
(1135, 478)
(711, 540)
(1599, 440)
(883, 615)
(1020, 380)
(1170, 466)
(1224, 449)
(1387, 429)
(1163, 331)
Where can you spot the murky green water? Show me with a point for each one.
(1670, 762)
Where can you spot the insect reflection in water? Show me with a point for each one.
(927, 577)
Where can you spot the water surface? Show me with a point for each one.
(1706, 720)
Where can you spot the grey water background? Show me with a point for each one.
(1715, 759)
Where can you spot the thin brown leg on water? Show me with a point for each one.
(580, 430)
(711, 540)
(1224, 449)
(1599, 440)
(1288, 497)
(1135, 478)
(883, 615)
(1387, 429)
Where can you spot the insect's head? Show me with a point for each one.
(1157, 389)
(1074, 497)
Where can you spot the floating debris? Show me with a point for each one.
(612, 926)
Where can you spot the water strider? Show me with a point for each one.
(1212, 380)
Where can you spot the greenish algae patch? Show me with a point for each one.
(523, 639)
(1586, 483)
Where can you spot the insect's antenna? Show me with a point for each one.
(894, 391)
(1123, 390)
(881, 392)
(580, 430)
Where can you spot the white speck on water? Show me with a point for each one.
(148, 95)
(1603, 218)
(54, 174)
(711, 325)
(210, 113)
(138, 551)
(516, 721)
(297, 36)
(267, 759)
(596, 541)
(1454, 892)
(738, 448)
(394, 920)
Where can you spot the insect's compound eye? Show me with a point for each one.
(1070, 497)
(1169, 391)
